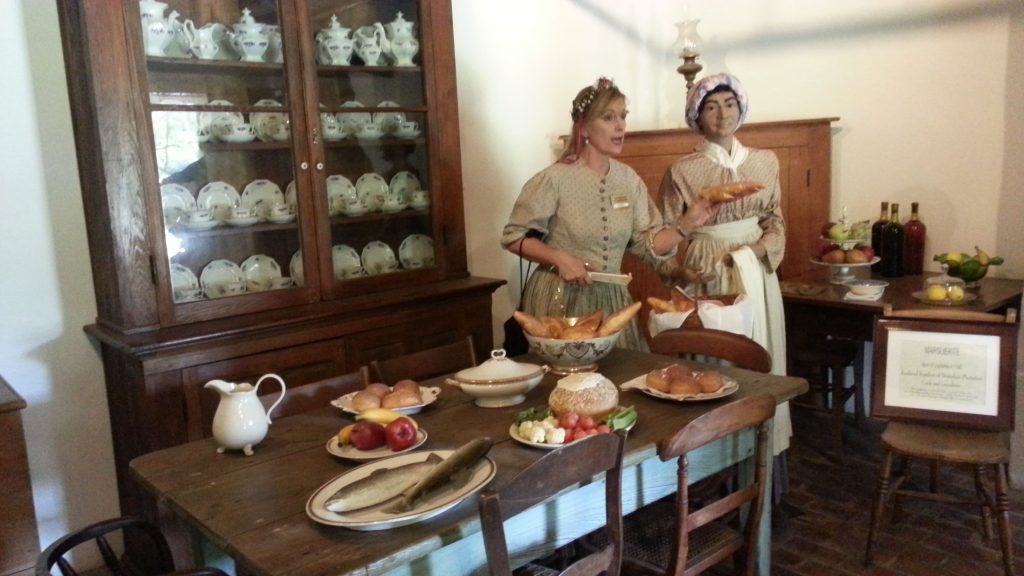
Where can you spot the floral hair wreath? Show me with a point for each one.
(579, 108)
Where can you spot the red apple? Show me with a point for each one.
(824, 229)
(827, 247)
(367, 435)
(400, 433)
(867, 250)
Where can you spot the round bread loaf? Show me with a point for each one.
(710, 382)
(378, 389)
(585, 394)
(365, 400)
(401, 399)
(659, 380)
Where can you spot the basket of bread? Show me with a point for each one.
(681, 310)
(572, 345)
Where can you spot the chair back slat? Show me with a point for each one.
(425, 363)
(574, 463)
(728, 419)
(315, 395)
(736, 348)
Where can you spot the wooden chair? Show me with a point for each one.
(571, 464)
(736, 348)
(699, 539)
(160, 553)
(823, 362)
(974, 448)
(425, 363)
(315, 394)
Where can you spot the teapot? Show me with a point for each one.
(398, 28)
(240, 421)
(181, 36)
(157, 32)
(249, 39)
(151, 10)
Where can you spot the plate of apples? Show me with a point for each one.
(377, 433)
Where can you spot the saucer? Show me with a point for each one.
(403, 183)
(177, 202)
(266, 124)
(281, 218)
(379, 258)
(260, 272)
(388, 121)
(219, 198)
(183, 278)
(206, 119)
(372, 190)
(346, 262)
(290, 198)
(416, 251)
(201, 224)
(240, 222)
(260, 195)
(295, 268)
(351, 119)
(217, 275)
(339, 191)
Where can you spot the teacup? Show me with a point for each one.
(354, 208)
(203, 134)
(393, 204)
(408, 129)
(419, 199)
(281, 283)
(334, 131)
(243, 132)
(241, 212)
(280, 209)
(184, 294)
(205, 50)
(234, 288)
(282, 132)
(369, 132)
(352, 272)
(200, 215)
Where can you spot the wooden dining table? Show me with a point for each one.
(253, 509)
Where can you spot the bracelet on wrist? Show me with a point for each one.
(682, 232)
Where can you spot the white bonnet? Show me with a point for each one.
(705, 85)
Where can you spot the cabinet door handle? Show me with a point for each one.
(304, 166)
(319, 166)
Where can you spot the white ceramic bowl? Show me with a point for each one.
(571, 356)
(866, 286)
(499, 381)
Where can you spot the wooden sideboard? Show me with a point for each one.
(19, 537)
(804, 149)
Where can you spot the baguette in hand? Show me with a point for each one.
(730, 192)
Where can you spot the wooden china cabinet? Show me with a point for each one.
(257, 203)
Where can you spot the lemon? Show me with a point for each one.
(937, 292)
(956, 293)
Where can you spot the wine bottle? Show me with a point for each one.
(892, 244)
(876, 236)
(913, 243)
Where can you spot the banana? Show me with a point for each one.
(982, 256)
(344, 434)
(953, 257)
(382, 416)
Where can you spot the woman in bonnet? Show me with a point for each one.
(581, 213)
(734, 247)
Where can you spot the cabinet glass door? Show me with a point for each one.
(375, 180)
(221, 116)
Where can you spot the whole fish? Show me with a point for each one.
(462, 459)
(381, 485)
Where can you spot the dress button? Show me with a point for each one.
(602, 209)
(605, 238)
(604, 218)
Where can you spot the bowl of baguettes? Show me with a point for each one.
(571, 345)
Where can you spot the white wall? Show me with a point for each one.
(928, 92)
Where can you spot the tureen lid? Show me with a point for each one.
(499, 368)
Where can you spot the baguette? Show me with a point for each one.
(682, 301)
(618, 320)
(531, 324)
(591, 321)
(660, 306)
(730, 192)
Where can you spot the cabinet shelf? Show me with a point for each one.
(196, 66)
(379, 216)
(328, 70)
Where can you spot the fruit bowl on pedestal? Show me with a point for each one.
(841, 271)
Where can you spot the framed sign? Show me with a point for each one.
(950, 373)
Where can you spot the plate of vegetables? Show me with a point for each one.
(540, 428)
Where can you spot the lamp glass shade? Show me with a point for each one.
(688, 44)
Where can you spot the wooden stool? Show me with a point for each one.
(823, 363)
(953, 446)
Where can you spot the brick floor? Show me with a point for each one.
(830, 509)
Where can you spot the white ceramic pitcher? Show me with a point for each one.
(240, 421)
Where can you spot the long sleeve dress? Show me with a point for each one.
(736, 224)
(594, 218)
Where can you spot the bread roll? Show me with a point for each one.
(378, 389)
(585, 394)
(658, 380)
(406, 384)
(710, 382)
(618, 320)
(686, 387)
(400, 399)
(365, 400)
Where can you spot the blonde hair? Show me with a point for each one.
(590, 103)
